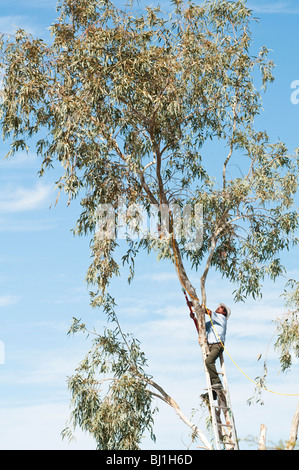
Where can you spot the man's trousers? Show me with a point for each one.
(216, 349)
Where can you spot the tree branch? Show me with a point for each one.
(171, 402)
(231, 143)
(209, 260)
(137, 171)
(262, 441)
(294, 430)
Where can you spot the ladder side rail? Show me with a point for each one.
(224, 427)
(232, 420)
(216, 420)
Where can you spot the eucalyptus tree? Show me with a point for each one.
(287, 344)
(287, 341)
(154, 110)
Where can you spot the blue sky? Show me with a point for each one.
(42, 271)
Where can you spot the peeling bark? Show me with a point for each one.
(262, 441)
(294, 430)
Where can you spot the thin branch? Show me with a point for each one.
(231, 142)
(214, 239)
(171, 402)
(125, 158)
(148, 165)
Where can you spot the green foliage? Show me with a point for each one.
(287, 343)
(126, 100)
(109, 389)
(128, 103)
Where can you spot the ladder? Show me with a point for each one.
(224, 432)
(221, 412)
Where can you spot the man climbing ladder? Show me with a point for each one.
(216, 333)
(225, 432)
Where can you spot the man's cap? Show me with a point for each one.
(228, 310)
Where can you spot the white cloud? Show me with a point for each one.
(6, 300)
(9, 24)
(23, 199)
(161, 276)
(27, 225)
(44, 370)
(274, 8)
(20, 159)
(38, 427)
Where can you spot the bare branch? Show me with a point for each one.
(262, 441)
(171, 402)
(294, 430)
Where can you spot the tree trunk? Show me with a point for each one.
(186, 284)
(294, 430)
(262, 441)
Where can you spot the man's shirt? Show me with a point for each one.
(219, 322)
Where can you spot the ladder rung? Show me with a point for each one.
(225, 434)
(217, 389)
